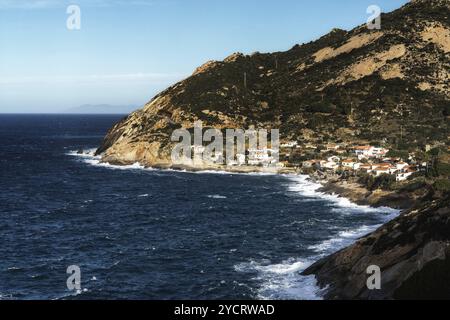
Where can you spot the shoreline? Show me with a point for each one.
(352, 191)
(360, 195)
(324, 184)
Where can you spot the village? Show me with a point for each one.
(340, 159)
(353, 160)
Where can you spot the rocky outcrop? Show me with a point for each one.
(413, 252)
(356, 85)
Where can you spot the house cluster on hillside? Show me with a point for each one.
(262, 157)
(367, 159)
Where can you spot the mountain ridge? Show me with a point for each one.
(370, 83)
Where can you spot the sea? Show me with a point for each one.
(140, 233)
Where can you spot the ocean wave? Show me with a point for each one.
(88, 156)
(342, 240)
(87, 153)
(72, 294)
(302, 184)
(282, 281)
(307, 188)
(143, 195)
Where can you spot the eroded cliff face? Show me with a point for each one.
(357, 85)
(413, 252)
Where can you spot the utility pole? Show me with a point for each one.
(276, 63)
(245, 80)
(351, 109)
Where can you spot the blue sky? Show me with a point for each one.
(127, 51)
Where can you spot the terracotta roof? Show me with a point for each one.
(363, 148)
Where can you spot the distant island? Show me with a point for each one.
(102, 109)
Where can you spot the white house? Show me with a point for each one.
(370, 152)
(289, 144)
(258, 157)
(331, 165)
(383, 168)
(365, 167)
(350, 164)
(402, 176)
(363, 151)
(401, 165)
(379, 152)
(334, 159)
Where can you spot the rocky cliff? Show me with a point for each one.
(358, 85)
(412, 251)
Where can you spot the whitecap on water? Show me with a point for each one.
(283, 280)
(303, 186)
(216, 196)
(89, 157)
(343, 239)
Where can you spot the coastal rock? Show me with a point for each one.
(413, 252)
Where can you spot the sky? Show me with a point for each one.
(126, 51)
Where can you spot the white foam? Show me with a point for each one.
(342, 240)
(89, 157)
(339, 205)
(304, 186)
(282, 280)
(217, 196)
(88, 153)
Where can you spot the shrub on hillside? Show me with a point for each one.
(442, 185)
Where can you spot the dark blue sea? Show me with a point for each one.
(151, 234)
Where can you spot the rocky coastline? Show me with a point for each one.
(359, 86)
(412, 252)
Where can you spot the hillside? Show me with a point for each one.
(360, 85)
